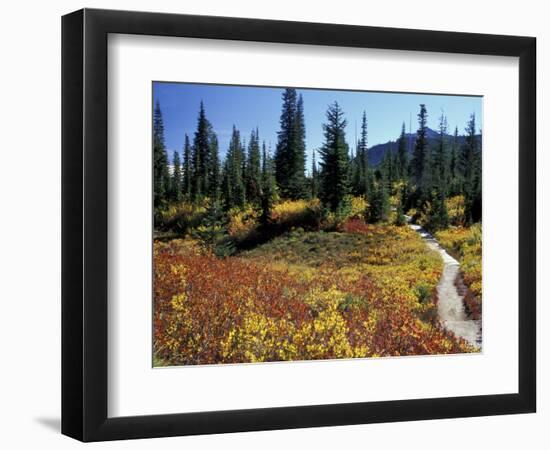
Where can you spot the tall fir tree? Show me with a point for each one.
(388, 166)
(437, 217)
(253, 170)
(400, 218)
(420, 147)
(161, 175)
(314, 177)
(233, 187)
(290, 150)
(428, 178)
(470, 168)
(363, 156)
(477, 201)
(335, 183)
(298, 182)
(441, 160)
(201, 157)
(187, 169)
(285, 140)
(214, 173)
(175, 185)
(269, 186)
(454, 175)
(355, 173)
(379, 203)
(402, 155)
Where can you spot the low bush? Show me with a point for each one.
(456, 210)
(294, 213)
(180, 217)
(242, 223)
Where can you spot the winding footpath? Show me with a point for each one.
(450, 307)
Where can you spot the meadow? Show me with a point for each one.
(332, 288)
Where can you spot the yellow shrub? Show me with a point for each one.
(262, 338)
(296, 212)
(359, 206)
(327, 335)
(455, 210)
(181, 216)
(320, 299)
(259, 338)
(242, 222)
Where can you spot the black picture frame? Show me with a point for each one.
(84, 224)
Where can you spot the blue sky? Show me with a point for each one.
(250, 107)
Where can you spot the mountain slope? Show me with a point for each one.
(376, 152)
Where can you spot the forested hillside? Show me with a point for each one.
(421, 173)
(378, 151)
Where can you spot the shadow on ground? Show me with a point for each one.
(52, 423)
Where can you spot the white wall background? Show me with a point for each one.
(30, 222)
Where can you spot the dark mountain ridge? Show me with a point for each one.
(377, 152)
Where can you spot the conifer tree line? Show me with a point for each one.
(421, 177)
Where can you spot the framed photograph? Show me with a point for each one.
(273, 224)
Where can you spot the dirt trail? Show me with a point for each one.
(450, 308)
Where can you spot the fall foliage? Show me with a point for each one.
(365, 291)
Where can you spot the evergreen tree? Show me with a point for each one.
(201, 157)
(454, 175)
(161, 175)
(436, 171)
(253, 170)
(290, 151)
(314, 177)
(363, 141)
(357, 186)
(175, 191)
(233, 187)
(470, 167)
(334, 177)
(420, 147)
(396, 166)
(214, 176)
(297, 176)
(212, 234)
(388, 168)
(428, 177)
(369, 184)
(187, 169)
(400, 218)
(407, 198)
(226, 188)
(285, 140)
(402, 156)
(441, 159)
(269, 186)
(361, 171)
(477, 200)
(380, 204)
(437, 218)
